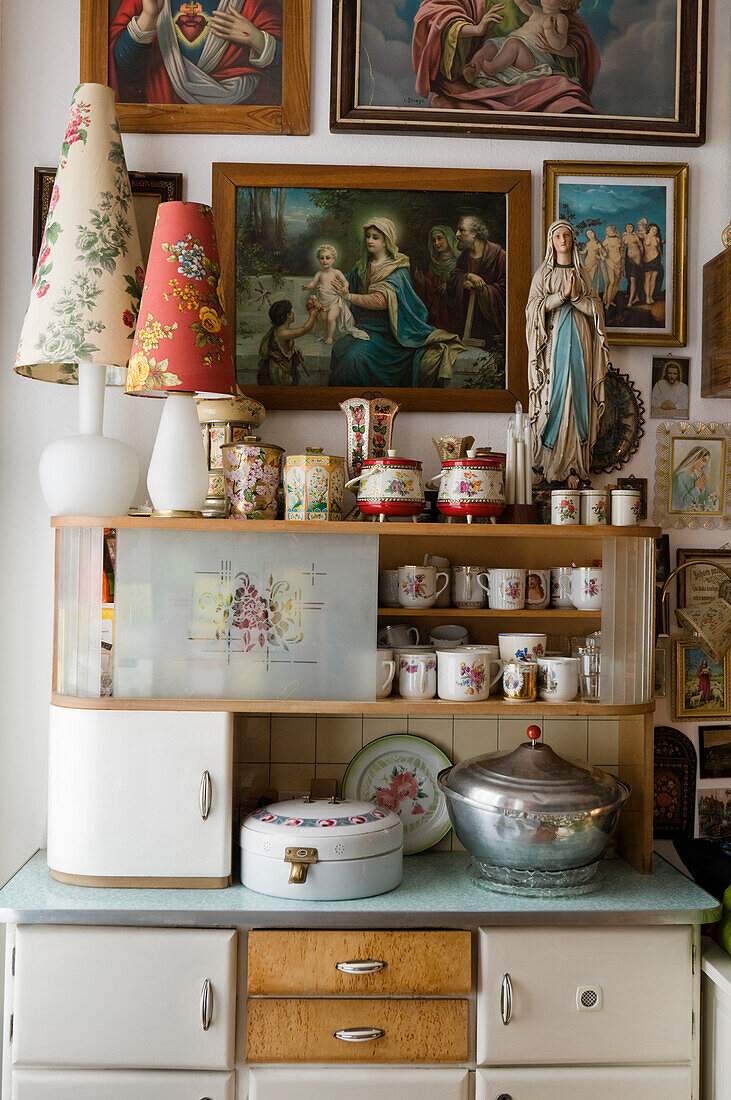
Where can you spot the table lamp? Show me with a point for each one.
(83, 307)
(181, 348)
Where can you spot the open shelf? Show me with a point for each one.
(546, 616)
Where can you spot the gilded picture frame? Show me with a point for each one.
(404, 69)
(701, 687)
(704, 583)
(277, 96)
(326, 206)
(692, 474)
(640, 272)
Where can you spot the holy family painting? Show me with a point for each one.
(352, 280)
(602, 70)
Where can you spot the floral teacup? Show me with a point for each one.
(584, 587)
(417, 675)
(465, 675)
(418, 585)
(522, 647)
(505, 588)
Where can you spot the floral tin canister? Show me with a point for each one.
(252, 473)
(314, 484)
(472, 486)
(594, 507)
(565, 507)
(390, 486)
(224, 420)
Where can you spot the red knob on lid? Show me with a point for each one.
(534, 732)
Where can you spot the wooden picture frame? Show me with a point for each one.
(709, 584)
(714, 752)
(505, 193)
(597, 196)
(692, 474)
(289, 114)
(688, 665)
(375, 88)
(149, 189)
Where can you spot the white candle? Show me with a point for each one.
(528, 466)
(510, 464)
(520, 470)
(518, 420)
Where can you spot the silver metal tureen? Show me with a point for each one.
(530, 818)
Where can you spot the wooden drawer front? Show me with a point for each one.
(304, 963)
(605, 1083)
(123, 998)
(302, 1030)
(361, 1083)
(642, 990)
(90, 1084)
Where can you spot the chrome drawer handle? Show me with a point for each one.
(361, 966)
(204, 795)
(359, 1034)
(206, 1004)
(506, 999)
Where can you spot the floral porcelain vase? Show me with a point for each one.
(252, 473)
(369, 426)
(314, 484)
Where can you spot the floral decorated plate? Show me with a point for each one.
(399, 773)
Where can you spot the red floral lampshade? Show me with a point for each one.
(182, 340)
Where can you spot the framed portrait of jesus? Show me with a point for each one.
(201, 66)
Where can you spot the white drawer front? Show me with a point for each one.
(642, 985)
(360, 1083)
(123, 997)
(607, 1083)
(124, 793)
(90, 1084)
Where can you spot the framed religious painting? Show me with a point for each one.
(670, 395)
(692, 474)
(630, 223)
(201, 66)
(701, 686)
(149, 189)
(576, 70)
(346, 281)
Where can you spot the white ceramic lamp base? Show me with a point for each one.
(177, 478)
(89, 474)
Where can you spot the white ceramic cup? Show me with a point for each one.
(385, 672)
(558, 679)
(565, 507)
(467, 592)
(418, 585)
(442, 564)
(584, 586)
(521, 647)
(505, 588)
(626, 507)
(448, 636)
(398, 634)
(594, 507)
(558, 598)
(464, 674)
(388, 588)
(417, 674)
(537, 588)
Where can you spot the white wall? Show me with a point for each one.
(40, 64)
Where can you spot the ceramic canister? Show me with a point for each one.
(252, 473)
(472, 486)
(314, 484)
(626, 507)
(565, 507)
(390, 486)
(594, 507)
(224, 420)
(558, 679)
(520, 681)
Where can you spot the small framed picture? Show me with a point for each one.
(692, 474)
(670, 397)
(714, 812)
(700, 684)
(715, 752)
(661, 689)
(702, 582)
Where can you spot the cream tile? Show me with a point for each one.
(338, 739)
(444, 845)
(331, 771)
(374, 728)
(251, 737)
(440, 731)
(292, 777)
(511, 732)
(457, 845)
(474, 737)
(250, 775)
(603, 740)
(567, 736)
(293, 739)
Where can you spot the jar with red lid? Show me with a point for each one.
(472, 486)
(390, 486)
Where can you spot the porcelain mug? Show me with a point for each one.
(464, 675)
(558, 679)
(584, 586)
(537, 588)
(594, 507)
(565, 507)
(626, 507)
(467, 591)
(448, 637)
(442, 599)
(522, 647)
(558, 599)
(520, 681)
(388, 588)
(398, 634)
(385, 672)
(418, 585)
(505, 589)
(417, 677)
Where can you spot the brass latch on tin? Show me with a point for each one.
(300, 858)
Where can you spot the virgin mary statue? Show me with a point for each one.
(567, 360)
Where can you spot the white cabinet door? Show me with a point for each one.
(606, 1083)
(91, 1084)
(715, 1023)
(585, 995)
(128, 794)
(358, 1083)
(124, 997)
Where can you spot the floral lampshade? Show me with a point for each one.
(88, 280)
(182, 341)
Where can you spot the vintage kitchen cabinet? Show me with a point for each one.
(715, 1023)
(360, 1083)
(105, 1084)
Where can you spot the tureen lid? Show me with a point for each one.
(393, 460)
(251, 441)
(310, 453)
(533, 779)
(315, 817)
(494, 459)
(237, 409)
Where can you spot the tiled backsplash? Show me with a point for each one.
(286, 751)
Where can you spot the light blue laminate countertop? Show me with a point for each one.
(436, 892)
